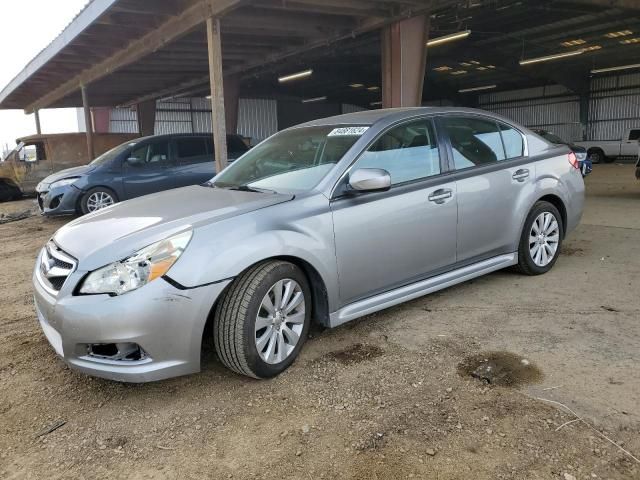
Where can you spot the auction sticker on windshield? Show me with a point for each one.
(347, 131)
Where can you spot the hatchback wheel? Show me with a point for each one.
(541, 239)
(97, 199)
(263, 319)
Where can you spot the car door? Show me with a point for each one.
(147, 169)
(630, 144)
(493, 179)
(389, 239)
(194, 162)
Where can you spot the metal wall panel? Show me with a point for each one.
(349, 108)
(123, 120)
(257, 118)
(614, 106)
(549, 108)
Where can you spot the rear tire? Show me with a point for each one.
(541, 239)
(596, 155)
(248, 338)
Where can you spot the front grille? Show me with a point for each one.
(55, 267)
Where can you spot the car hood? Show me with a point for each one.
(66, 173)
(117, 232)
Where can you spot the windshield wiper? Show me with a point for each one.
(247, 188)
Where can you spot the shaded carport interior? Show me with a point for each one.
(132, 52)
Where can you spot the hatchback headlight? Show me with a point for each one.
(64, 182)
(137, 270)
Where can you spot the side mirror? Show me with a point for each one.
(135, 161)
(370, 180)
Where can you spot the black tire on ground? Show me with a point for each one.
(5, 193)
(83, 201)
(235, 316)
(526, 264)
(17, 194)
(596, 155)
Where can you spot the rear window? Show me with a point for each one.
(634, 135)
(191, 147)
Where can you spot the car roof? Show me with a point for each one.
(392, 115)
(178, 135)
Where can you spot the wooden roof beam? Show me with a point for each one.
(137, 49)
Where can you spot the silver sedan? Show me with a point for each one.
(324, 222)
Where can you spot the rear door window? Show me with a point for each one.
(474, 141)
(513, 141)
(191, 150)
(634, 135)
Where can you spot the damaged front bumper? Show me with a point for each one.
(149, 334)
(58, 200)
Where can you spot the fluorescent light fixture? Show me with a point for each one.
(548, 58)
(592, 48)
(629, 41)
(376, 104)
(443, 68)
(459, 72)
(295, 76)
(476, 89)
(373, 88)
(356, 85)
(615, 69)
(448, 38)
(621, 33)
(573, 43)
(315, 99)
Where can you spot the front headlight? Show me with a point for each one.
(137, 270)
(64, 182)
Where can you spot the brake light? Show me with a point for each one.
(573, 160)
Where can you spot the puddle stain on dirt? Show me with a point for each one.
(355, 353)
(500, 368)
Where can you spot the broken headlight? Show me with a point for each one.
(137, 270)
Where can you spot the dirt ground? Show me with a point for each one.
(380, 398)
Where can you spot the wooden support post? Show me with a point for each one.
(404, 57)
(217, 93)
(37, 116)
(88, 121)
(146, 112)
(231, 102)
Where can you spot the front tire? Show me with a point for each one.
(541, 239)
(263, 319)
(96, 199)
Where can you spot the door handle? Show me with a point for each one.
(440, 195)
(521, 175)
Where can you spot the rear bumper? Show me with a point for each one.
(165, 322)
(58, 201)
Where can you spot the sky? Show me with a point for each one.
(28, 26)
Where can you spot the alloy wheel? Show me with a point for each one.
(280, 321)
(544, 239)
(99, 200)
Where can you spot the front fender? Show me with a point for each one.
(224, 250)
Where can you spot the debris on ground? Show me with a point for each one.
(500, 368)
(51, 428)
(14, 217)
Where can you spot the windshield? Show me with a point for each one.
(113, 153)
(293, 161)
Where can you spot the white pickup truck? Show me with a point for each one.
(607, 150)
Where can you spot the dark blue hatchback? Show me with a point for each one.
(139, 167)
